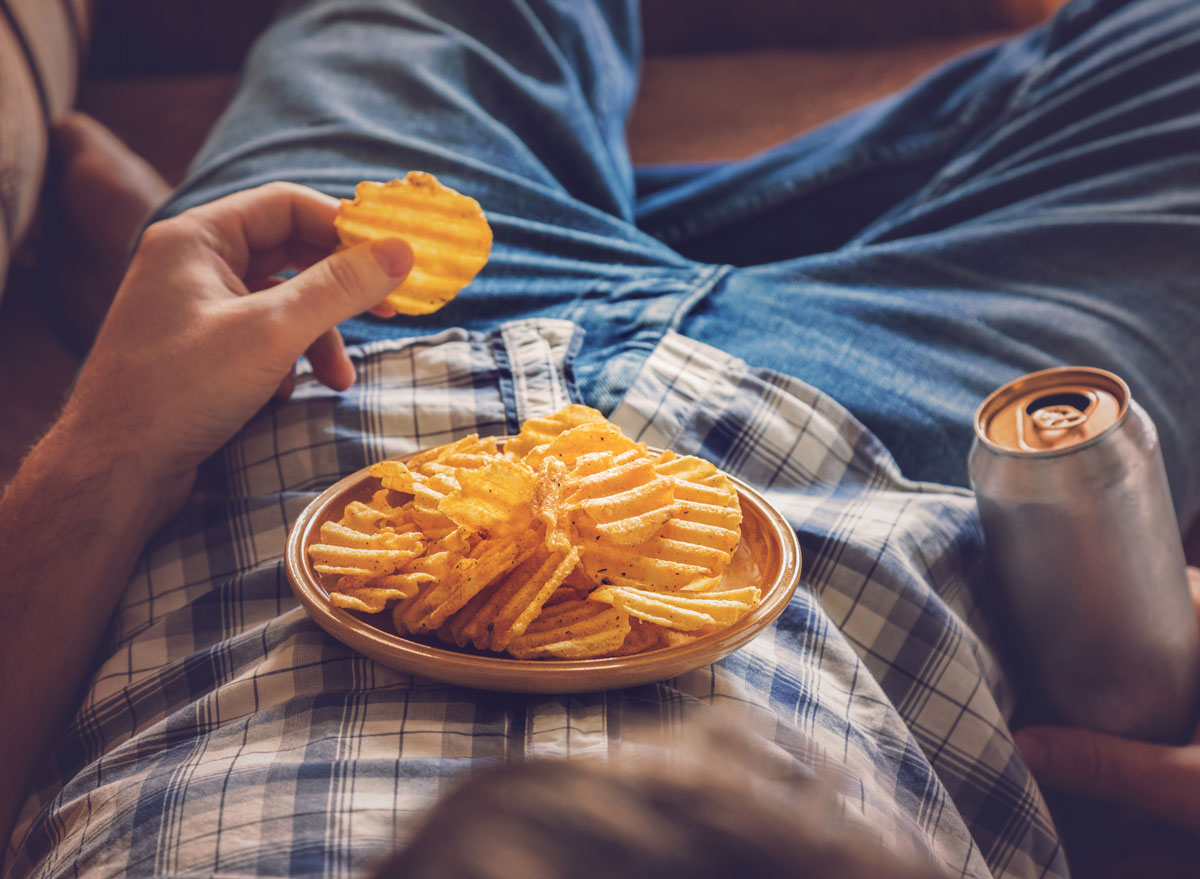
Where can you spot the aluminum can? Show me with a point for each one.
(1086, 551)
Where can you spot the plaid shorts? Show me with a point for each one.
(225, 734)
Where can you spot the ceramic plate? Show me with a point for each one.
(768, 556)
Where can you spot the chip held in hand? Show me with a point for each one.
(447, 231)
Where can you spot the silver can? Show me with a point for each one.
(1086, 551)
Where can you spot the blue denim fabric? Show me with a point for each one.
(1031, 204)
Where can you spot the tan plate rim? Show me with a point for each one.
(541, 675)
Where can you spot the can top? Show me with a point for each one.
(1052, 410)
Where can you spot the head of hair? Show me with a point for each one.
(551, 819)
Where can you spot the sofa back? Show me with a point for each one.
(42, 43)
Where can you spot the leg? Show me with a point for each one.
(519, 103)
(1055, 229)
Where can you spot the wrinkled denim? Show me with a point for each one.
(1031, 204)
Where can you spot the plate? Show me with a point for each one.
(768, 556)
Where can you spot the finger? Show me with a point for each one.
(261, 219)
(341, 286)
(330, 362)
(284, 391)
(382, 310)
(1159, 779)
(1193, 575)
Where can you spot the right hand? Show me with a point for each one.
(1163, 780)
(188, 353)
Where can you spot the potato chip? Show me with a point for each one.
(469, 453)
(572, 630)
(576, 587)
(548, 506)
(489, 560)
(588, 465)
(540, 431)
(405, 585)
(704, 494)
(494, 501)
(698, 472)
(685, 611)
(367, 599)
(519, 599)
(659, 563)
(378, 515)
(629, 503)
(447, 231)
(642, 637)
(428, 494)
(402, 607)
(395, 475)
(349, 552)
(673, 638)
(586, 439)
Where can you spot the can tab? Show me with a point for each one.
(1065, 418)
(1052, 410)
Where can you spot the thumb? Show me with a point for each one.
(344, 284)
(1163, 780)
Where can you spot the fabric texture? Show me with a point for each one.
(226, 734)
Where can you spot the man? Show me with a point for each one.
(1029, 205)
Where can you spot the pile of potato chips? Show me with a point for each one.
(570, 542)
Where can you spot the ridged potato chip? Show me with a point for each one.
(394, 475)
(428, 493)
(540, 431)
(378, 515)
(586, 439)
(642, 636)
(660, 563)
(368, 599)
(469, 453)
(488, 561)
(684, 611)
(494, 501)
(573, 630)
(673, 638)
(705, 498)
(629, 503)
(519, 599)
(447, 231)
(699, 472)
(349, 552)
(547, 504)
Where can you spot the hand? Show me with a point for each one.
(188, 353)
(1163, 780)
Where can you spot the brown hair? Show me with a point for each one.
(558, 819)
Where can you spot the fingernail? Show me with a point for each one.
(1033, 750)
(394, 255)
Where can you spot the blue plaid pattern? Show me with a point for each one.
(225, 734)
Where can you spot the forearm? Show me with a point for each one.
(72, 523)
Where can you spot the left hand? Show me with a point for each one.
(1163, 780)
(187, 353)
